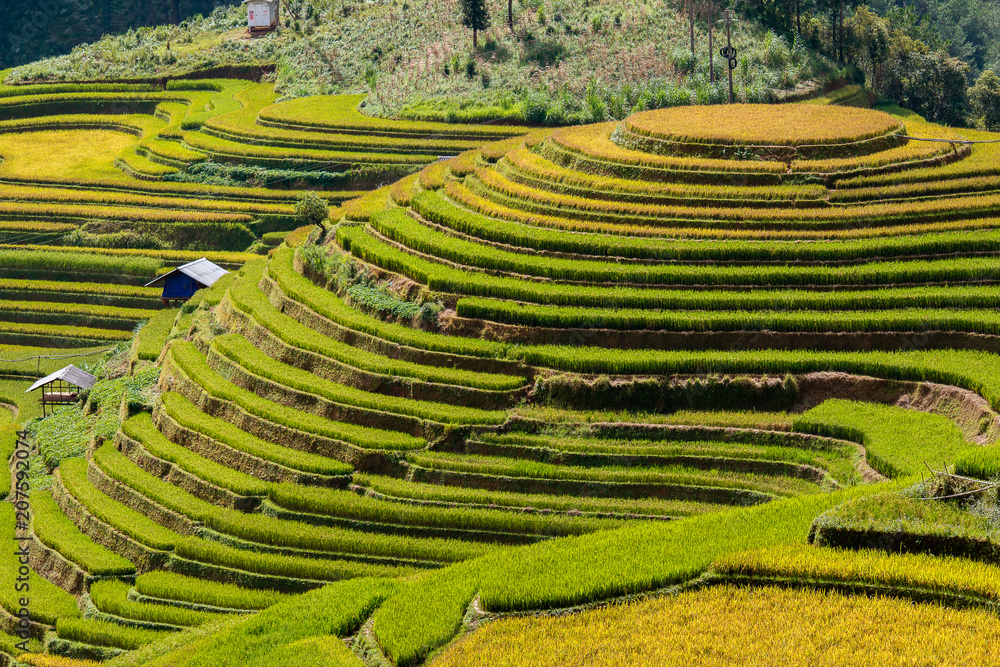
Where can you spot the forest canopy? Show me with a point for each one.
(33, 30)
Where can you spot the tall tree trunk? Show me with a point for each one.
(833, 32)
(691, 12)
(840, 31)
(475, 38)
(510, 14)
(798, 17)
(711, 43)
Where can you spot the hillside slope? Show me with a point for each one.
(31, 31)
(562, 62)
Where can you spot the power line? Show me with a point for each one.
(57, 356)
(964, 142)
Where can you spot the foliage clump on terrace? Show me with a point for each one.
(365, 289)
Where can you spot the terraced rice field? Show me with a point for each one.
(99, 160)
(567, 367)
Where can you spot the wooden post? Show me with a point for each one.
(729, 53)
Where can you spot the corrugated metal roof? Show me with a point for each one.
(270, 2)
(71, 374)
(201, 270)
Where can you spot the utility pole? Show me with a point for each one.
(729, 53)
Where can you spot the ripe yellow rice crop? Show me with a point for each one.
(48, 660)
(492, 184)
(63, 195)
(533, 168)
(83, 154)
(464, 196)
(739, 626)
(876, 568)
(594, 141)
(764, 124)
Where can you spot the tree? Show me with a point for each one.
(932, 83)
(691, 16)
(840, 33)
(475, 15)
(869, 39)
(311, 209)
(984, 99)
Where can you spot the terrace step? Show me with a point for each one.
(107, 536)
(173, 379)
(135, 596)
(238, 460)
(331, 329)
(584, 459)
(172, 473)
(270, 509)
(586, 488)
(275, 347)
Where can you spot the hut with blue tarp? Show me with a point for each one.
(181, 283)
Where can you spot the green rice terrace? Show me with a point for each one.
(709, 381)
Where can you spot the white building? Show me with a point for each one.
(262, 15)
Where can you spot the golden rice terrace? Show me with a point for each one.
(699, 356)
